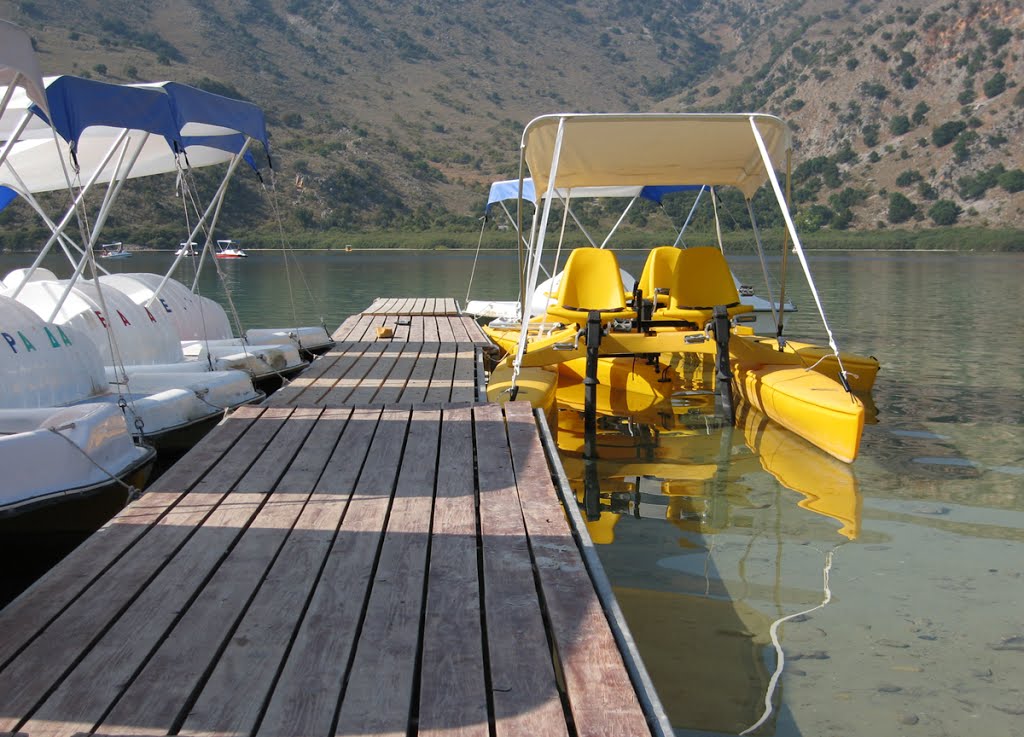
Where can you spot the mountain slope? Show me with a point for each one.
(398, 114)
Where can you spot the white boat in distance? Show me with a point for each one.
(114, 251)
(227, 248)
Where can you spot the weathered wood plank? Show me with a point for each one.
(464, 375)
(589, 656)
(122, 617)
(415, 390)
(380, 685)
(526, 699)
(391, 389)
(157, 699)
(430, 331)
(318, 372)
(445, 334)
(377, 376)
(31, 613)
(440, 388)
(307, 692)
(308, 391)
(338, 392)
(453, 694)
(261, 642)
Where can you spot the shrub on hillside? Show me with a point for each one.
(995, 86)
(1011, 181)
(947, 132)
(944, 212)
(901, 209)
(899, 124)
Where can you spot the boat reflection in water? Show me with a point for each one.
(702, 531)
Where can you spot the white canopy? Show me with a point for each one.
(653, 149)
(18, 63)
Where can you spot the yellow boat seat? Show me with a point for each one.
(702, 281)
(658, 274)
(590, 282)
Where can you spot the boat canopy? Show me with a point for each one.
(653, 149)
(92, 117)
(508, 189)
(18, 63)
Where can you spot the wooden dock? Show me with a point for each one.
(324, 568)
(398, 351)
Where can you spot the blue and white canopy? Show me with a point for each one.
(508, 189)
(91, 117)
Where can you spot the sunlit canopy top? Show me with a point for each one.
(651, 149)
(18, 58)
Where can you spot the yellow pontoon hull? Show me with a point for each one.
(797, 386)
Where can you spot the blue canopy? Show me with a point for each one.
(7, 196)
(509, 190)
(164, 109)
(77, 104)
(192, 105)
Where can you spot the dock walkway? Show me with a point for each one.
(329, 570)
(398, 351)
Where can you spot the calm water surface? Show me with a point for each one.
(894, 583)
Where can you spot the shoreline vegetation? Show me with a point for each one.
(933, 239)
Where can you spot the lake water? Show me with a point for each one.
(893, 586)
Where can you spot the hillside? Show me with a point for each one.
(398, 114)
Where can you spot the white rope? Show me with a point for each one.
(781, 662)
(479, 243)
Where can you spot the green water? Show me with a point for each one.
(916, 546)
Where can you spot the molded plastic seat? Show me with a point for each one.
(591, 282)
(702, 281)
(659, 274)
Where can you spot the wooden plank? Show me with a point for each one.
(430, 330)
(157, 699)
(464, 376)
(419, 306)
(391, 390)
(415, 390)
(376, 377)
(261, 641)
(474, 332)
(440, 388)
(380, 689)
(344, 330)
(592, 665)
(307, 692)
(416, 330)
(445, 334)
(292, 392)
(309, 391)
(522, 678)
(338, 392)
(31, 613)
(458, 330)
(116, 624)
(377, 307)
(453, 686)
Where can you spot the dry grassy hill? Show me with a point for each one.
(398, 114)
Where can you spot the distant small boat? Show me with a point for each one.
(186, 249)
(228, 249)
(114, 250)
